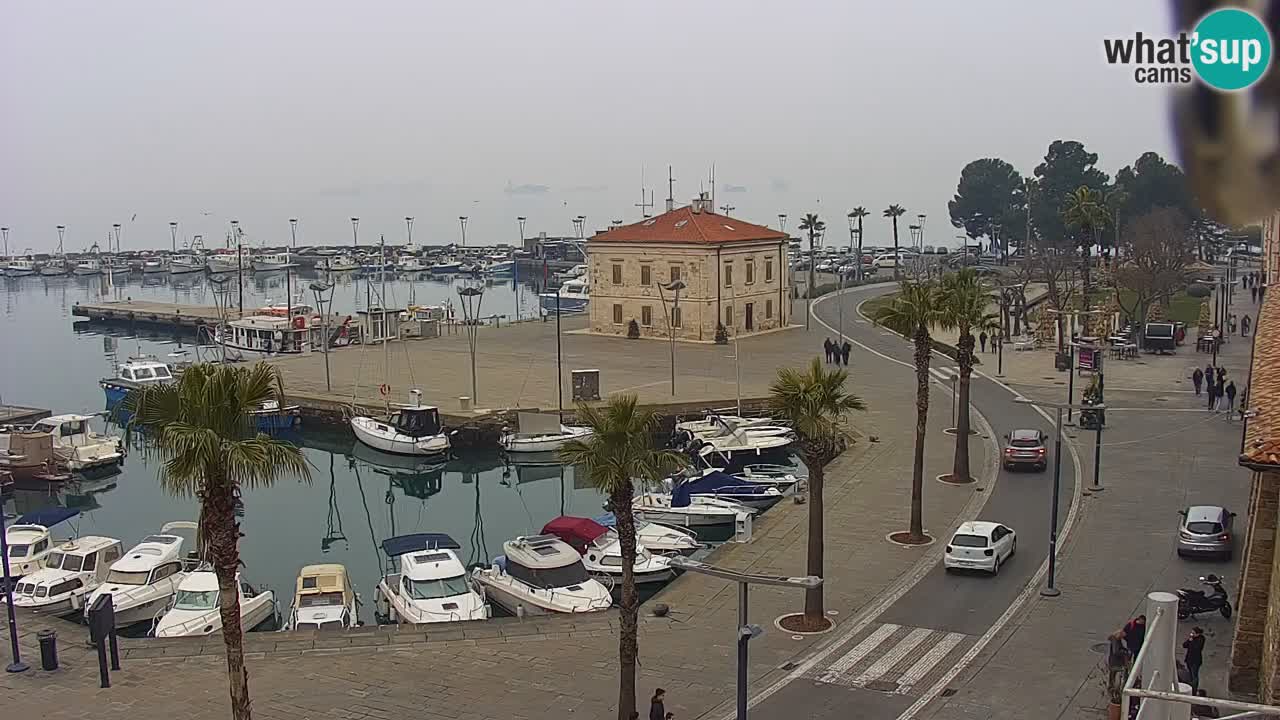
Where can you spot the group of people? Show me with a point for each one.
(1221, 391)
(1253, 281)
(983, 337)
(837, 353)
(1127, 641)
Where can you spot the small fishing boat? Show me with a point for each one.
(341, 262)
(271, 262)
(431, 586)
(27, 454)
(229, 261)
(410, 430)
(21, 267)
(541, 432)
(133, 374)
(188, 263)
(271, 417)
(70, 573)
(410, 264)
(501, 268)
(323, 600)
(572, 297)
(88, 266)
(155, 266)
(142, 582)
(77, 445)
(601, 551)
(659, 538)
(29, 540)
(716, 424)
(542, 575)
(446, 267)
(195, 610)
(117, 266)
(55, 267)
(784, 478)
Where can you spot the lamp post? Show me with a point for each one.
(17, 665)
(288, 273)
(727, 209)
(1051, 589)
(462, 220)
(235, 235)
(319, 288)
(115, 228)
(746, 631)
(470, 298)
(578, 223)
(675, 286)
(920, 224)
(5, 231)
(782, 222)
(355, 233)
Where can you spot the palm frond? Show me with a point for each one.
(917, 305)
(620, 448)
(814, 401)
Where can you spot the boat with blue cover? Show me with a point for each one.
(722, 486)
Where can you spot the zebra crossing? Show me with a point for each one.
(894, 658)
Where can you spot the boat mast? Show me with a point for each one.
(413, 276)
(288, 273)
(382, 307)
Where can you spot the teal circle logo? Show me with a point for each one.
(1231, 49)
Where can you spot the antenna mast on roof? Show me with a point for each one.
(713, 187)
(671, 191)
(644, 206)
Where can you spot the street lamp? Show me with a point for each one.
(173, 235)
(1050, 589)
(471, 298)
(319, 288)
(746, 631)
(462, 220)
(355, 235)
(293, 232)
(920, 224)
(17, 665)
(522, 219)
(782, 222)
(5, 231)
(408, 228)
(675, 286)
(578, 223)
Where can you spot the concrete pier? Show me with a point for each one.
(170, 316)
(19, 415)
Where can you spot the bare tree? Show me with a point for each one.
(1056, 268)
(1157, 247)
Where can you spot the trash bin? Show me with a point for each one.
(1062, 361)
(48, 649)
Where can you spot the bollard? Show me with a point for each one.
(48, 649)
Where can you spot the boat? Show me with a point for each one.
(272, 417)
(271, 334)
(448, 267)
(784, 478)
(411, 263)
(410, 430)
(77, 445)
(659, 538)
(117, 266)
(714, 424)
(720, 485)
(573, 273)
(29, 539)
(27, 454)
(143, 581)
(155, 266)
(502, 268)
(229, 261)
(541, 432)
(72, 571)
(680, 508)
(542, 575)
(572, 296)
(21, 267)
(88, 266)
(195, 610)
(187, 263)
(431, 586)
(601, 551)
(341, 262)
(54, 268)
(323, 600)
(734, 442)
(133, 374)
(270, 262)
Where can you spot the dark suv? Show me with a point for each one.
(1026, 449)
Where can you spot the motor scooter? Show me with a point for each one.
(1193, 602)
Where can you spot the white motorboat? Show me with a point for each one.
(195, 610)
(270, 262)
(410, 264)
(77, 445)
(21, 267)
(573, 273)
(341, 262)
(133, 374)
(780, 476)
(542, 575)
(323, 599)
(88, 266)
(739, 442)
(689, 511)
(446, 267)
(541, 432)
(572, 297)
(229, 261)
(659, 538)
(410, 430)
(70, 573)
(716, 483)
(187, 263)
(143, 581)
(501, 268)
(155, 265)
(117, 266)
(601, 551)
(29, 540)
(714, 424)
(432, 585)
(54, 267)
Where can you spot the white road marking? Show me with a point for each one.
(916, 672)
(885, 662)
(861, 650)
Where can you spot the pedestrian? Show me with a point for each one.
(1231, 399)
(1135, 631)
(1194, 645)
(1222, 377)
(1213, 390)
(982, 340)
(1231, 323)
(1253, 290)
(1197, 379)
(827, 347)
(657, 711)
(1117, 657)
(844, 352)
(1245, 322)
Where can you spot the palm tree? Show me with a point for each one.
(964, 309)
(1084, 212)
(916, 308)
(201, 430)
(894, 212)
(815, 403)
(815, 228)
(618, 452)
(859, 213)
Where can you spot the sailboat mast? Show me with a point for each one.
(382, 306)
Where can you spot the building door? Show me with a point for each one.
(751, 317)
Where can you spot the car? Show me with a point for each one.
(888, 260)
(980, 545)
(928, 250)
(941, 250)
(1205, 530)
(1026, 448)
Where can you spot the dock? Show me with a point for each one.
(19, 415)
(170, 316)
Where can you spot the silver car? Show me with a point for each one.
(1205, 530)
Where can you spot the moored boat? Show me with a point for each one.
(601, 551)
(195, 610)
(187, 263)
(30, 541)
(432, 586)
(88, 266)
(541, 432)
(323, 599)
(572, 297)
(21, 267)
(77, 445)
(142, 582)
(410, 430)
(70, 573)
(542, 575)
(270, 262)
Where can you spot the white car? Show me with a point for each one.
(887, 261)
(980, 546)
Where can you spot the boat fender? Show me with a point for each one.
(384, 389)
(299, 323)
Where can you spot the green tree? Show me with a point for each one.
(1085, 215)
(990, 193)
(964, 303)
(815, 227)
(201, 430)
(618, 452)
(816, 404)
(858, 213)
(1150, 183)
(916, 308)
(894, 212)
(1066, 167)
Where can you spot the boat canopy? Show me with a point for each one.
(714, 481)
(418, 421)
(47, 517)
(405, 544)
(578, 532)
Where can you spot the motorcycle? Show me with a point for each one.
(1193, 602)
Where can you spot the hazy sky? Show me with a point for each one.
(322, 110)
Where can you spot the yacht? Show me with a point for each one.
(88, 266)
(341, 262)
(572, 297)
(410, 430)
(54, 267)
(133, 374)
(432, 586)
(685, 510)
(717, 484)
(542, 575)
(155, 265)
(195, 610)
(601, 551)
(541, 432)
(187, 263)
(411, 264)
(714, 424)
(573, 273)
(70, 573)
(21, 267)
(446, 267)
(658, 538)
(323, 600)
(77, 445)
(29, 540)
(142, 582)
(229, 261)
(502, 268)
(268, 262)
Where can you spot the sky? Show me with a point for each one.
(143, 112)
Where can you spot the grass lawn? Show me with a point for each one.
(871, 306)
(1181, 307)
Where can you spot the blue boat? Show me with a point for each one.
(717, 484)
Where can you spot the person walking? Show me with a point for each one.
(1245, 322)
(1197, 379)
(844, 352)
(658, 711)
(1117, 658)
(1253, 290)
(1194, 645)
(827, 347)
(1222, 377)
(1231, 399)
(982, 340)
(1135, 632)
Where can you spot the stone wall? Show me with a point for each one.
(1255, 646)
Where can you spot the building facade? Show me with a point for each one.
(732, 273)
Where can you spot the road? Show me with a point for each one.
(891, 666)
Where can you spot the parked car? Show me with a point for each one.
(928, 250)
(941, 250)
(980, 546)
(1205, 530)
(888, 261)
(1026, 448)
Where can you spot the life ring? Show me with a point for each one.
(299, 322)
(384, 389)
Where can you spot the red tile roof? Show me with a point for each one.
(683, 225)
(1262, 436)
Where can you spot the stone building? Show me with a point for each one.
(734, 273)
(1255, 646)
